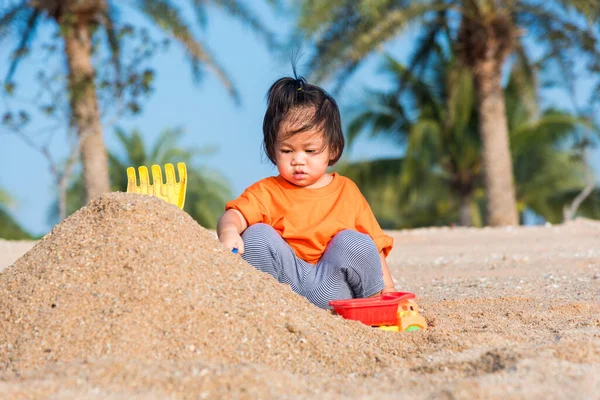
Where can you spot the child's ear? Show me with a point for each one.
(332, 157)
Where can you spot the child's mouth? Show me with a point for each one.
(299, 174)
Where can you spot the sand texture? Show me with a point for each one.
(129, 298)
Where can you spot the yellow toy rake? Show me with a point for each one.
(170, 191)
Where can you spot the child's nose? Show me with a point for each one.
(298, 158)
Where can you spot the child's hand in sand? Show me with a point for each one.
(232, 240)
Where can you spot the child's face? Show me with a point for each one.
(302, 160)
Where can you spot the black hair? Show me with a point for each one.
(306, 107)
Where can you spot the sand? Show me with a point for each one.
(131, 298)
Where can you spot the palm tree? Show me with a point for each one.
(483, 32)
(436, 122)
(548, 171)
(207, 191)
(79, 22)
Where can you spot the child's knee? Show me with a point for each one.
(352, 242)
(262, 239)
(258, 231)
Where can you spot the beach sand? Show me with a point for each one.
(130, 298)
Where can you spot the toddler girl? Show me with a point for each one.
(309, 229)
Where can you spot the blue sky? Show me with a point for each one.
(205, 112)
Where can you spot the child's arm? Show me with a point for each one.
(230, 227)
(387, 276)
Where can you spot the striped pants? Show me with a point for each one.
(350, 267)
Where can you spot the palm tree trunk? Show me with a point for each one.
(464, 210)
(84, 110)
(493, 127)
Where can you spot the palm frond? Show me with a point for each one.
(199, 7)
(422, 151)
(26, 36)
(208, 191)
(378, 180)
(167, 140)
(12, 16)
(524, 73)
(108, 21)
(425, 142)
(169, 18)
(374, 172)
(587, 8)
(536, 190)
(348, 34)
(552, 128)
(330, 46)
(133, 145)
(460, 101)
(240, 11)
(426, 203)
(423, 53)
(379, 114)
(314, 15)
(421, 93)
(559, 31)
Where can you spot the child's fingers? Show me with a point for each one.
(237, 247)
(240, 247)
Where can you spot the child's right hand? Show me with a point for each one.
(232, 240)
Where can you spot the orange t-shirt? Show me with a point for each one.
(308, 219)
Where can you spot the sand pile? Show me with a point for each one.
(134, 278)
(130, 276)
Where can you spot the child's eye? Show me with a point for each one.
(285, 151)
(311, 151)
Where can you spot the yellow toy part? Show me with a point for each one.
(170, 191)
(409, 319)
(391, 328)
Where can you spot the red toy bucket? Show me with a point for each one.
(373, 311)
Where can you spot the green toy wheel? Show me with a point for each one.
(412, 328)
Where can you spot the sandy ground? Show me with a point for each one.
(11, 250)
(513, 313)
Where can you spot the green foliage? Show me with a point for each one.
(10, 229)
(428, 204)
(436, 123)
(346, 32)
(207, 191)
(22, 19)
(378, 181)
(548, 170)
(590, 208)
(5, 198)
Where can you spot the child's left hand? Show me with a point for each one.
(232, 240)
